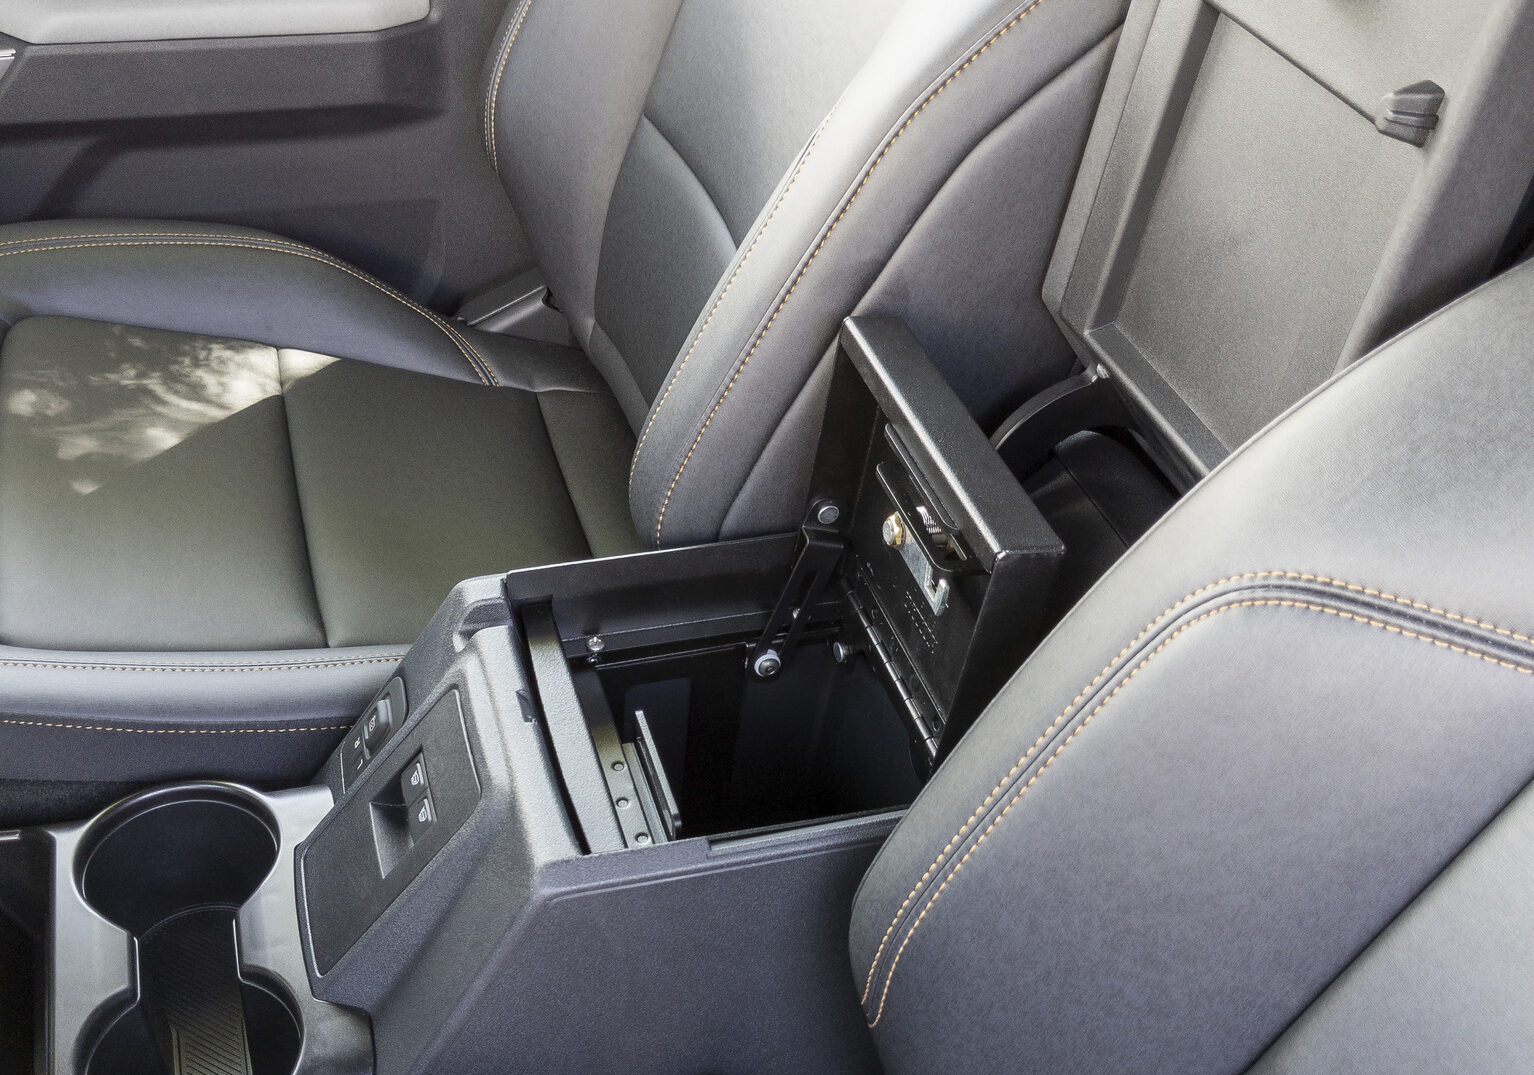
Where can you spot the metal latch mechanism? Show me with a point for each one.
(897, 535)
(927, 543)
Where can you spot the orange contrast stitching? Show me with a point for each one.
(634, 465)
(799, 277)
(1248, 576)
(495, 88)
(276, 666)
(1249, 603)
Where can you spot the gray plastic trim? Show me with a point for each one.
(56, 22)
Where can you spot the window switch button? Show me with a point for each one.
(412, 782)
(421, 814)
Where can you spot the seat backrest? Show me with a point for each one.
(1272, 189)
(1277, 724)
(710, 186)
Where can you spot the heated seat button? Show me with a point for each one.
(412, 782)
(377, 723)
(421, 813)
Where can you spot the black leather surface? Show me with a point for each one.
(145, 496)
(1446, 987)
(213, 550)
(335, 511)
(1252, 744)
(410, 484)
(902, 95)
(939, 81)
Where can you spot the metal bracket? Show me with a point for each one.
(813, 569)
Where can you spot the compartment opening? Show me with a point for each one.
(172, 867)
(820, 740)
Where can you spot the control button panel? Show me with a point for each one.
(383, 717)
(354, 756)
(413, 793)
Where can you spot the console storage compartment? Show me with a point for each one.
(692, 743)
(669, 770)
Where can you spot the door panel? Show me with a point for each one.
(55, 21)
(365, 144)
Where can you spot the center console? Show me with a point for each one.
(606, 815)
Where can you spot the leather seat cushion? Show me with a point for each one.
(236, 478)
(167, 491)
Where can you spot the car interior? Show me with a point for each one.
(551, 536)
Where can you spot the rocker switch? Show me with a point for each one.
(377, 723)
(412, 782)
(421, 814)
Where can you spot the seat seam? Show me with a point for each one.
(714, 309)
(271, 666)
(277, 246)
(713, 202)
(803, 269)
(1109, 668)
(491, 107)
(564, 476)
(298, 500)
(83, 727)
(1342, 614)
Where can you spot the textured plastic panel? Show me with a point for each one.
(1272, 215)
(1240, 229)
(52, 22)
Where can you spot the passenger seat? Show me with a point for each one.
(237, 474)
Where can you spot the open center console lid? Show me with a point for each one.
(1270, 190)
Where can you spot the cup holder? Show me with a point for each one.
(172, 867)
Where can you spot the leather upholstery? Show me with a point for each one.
(1254, 742)
(1446, 986)
(301, 461)
(841, 155)
(215, 544)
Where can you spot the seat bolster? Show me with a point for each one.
(222, 280)
(1258, 738)
(941, 79)
(267, 718)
